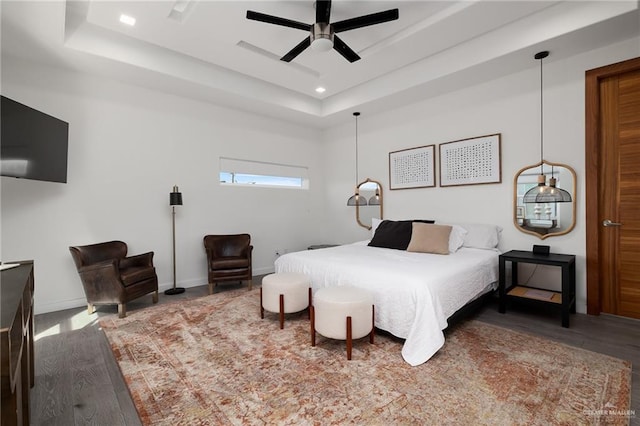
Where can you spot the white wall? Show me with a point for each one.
(509, 106)
(128, 146)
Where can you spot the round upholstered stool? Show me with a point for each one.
(344, 313)
(284, 293)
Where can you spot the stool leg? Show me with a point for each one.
(261, 308)
(281, 311)
(312, 320)
(373, 324)
(310, 301)
(349, 338)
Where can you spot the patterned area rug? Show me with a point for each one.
(213, 361)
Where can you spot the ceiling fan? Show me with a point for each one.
(322, 34)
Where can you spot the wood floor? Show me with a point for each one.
(78, 381)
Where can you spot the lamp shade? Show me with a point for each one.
(175, 197)
(546, 194)
(356, 200)
(375, 200)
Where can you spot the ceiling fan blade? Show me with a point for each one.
(297, 50)
(323, 11)
(342, 48)
(365, 21)
(270, 19)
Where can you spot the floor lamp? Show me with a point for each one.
(175, 199)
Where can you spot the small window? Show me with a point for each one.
(234, 171)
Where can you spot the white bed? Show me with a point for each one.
(414, 293)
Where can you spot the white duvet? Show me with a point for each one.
(414, 293)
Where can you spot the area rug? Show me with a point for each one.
(213, 361)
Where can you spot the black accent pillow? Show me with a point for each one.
(394, 234)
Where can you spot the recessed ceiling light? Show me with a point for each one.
(320, 89)
(126, 19)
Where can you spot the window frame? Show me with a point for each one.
(264, 174)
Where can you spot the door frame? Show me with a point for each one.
(592, 148)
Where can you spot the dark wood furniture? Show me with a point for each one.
(564, 299)
(110, 277)
(16, 343)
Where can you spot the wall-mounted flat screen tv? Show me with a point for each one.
(33, 144)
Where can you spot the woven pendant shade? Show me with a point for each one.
(544, 193)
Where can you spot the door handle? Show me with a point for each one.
(607, 222)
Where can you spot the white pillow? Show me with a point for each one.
(481, 235)
(456, 238)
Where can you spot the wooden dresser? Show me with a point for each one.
(16, 342)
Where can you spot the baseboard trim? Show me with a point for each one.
(263, 271)
(44, 308)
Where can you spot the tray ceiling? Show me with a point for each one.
(210, 51)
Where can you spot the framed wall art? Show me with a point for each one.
(412, 168)
(471, 161)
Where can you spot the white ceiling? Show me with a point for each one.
(210, 51)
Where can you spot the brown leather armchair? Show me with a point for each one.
(109, 277)
(228, 258)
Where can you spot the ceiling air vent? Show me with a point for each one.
(181, 10)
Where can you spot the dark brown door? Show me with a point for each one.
(613, 178)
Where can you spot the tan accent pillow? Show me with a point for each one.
(428, 238)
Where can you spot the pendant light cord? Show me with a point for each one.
(356, 114)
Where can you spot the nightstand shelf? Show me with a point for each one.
(564, 299)
(534, 293)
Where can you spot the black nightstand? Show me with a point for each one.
(564, 299)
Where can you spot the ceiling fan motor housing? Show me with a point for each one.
(321, 36)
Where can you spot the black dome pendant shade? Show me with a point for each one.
(375, 200)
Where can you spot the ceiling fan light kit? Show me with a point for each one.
(322, 34)
(321, 37)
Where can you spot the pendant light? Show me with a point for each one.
(543, 193)
(357, 199)
(375, 200)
